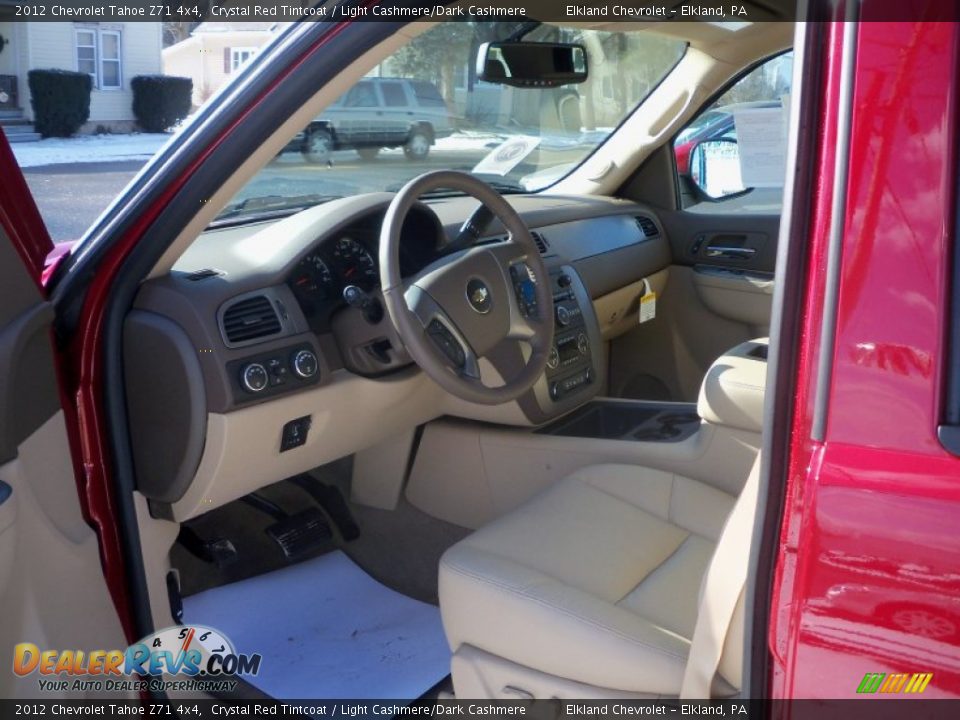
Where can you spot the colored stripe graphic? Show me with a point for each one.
(918, 683)
(894, 683)
(870, 683)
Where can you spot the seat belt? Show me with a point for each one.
(725, 579)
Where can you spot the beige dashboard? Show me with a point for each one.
(202, 438)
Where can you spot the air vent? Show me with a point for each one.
(647, 226)
(250, 319)
(202, 274)
(541, 241)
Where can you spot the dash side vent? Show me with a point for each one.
(250, 319)
(647, 226)
(541, 241)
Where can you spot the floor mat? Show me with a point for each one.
(327, 630)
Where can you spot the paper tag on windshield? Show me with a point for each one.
(648, 303)
(506, 156)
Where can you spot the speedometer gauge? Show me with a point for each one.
(312, 279)
(354, 263)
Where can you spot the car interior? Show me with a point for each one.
(531, 420)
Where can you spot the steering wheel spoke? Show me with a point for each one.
(443, 333)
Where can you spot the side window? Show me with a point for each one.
(362, 95)
(393, 95)
(738, 143)
(427, 95)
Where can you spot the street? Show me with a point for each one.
(72, 196)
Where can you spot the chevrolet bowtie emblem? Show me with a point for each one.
(478, 295)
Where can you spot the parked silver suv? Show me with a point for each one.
(379, 113)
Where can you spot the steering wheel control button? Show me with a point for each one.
(295, 433)
(254, 378)
(478, 295)
(444, 339)
(305, 364)
(525, 289)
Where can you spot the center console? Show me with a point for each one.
(570, 366)
(574, 366)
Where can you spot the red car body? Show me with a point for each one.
(869, 543)
(876, 502)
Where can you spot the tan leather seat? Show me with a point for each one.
(619, 580)
(595, 581)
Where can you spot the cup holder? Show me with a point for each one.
(630, 421)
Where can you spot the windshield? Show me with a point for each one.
(423, 108)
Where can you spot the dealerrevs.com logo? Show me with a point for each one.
(200, 657)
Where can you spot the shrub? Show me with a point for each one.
(60, 100)
(161, 101)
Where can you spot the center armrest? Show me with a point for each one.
(733, 388)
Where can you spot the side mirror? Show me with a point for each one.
(715, 167)
(529, 64)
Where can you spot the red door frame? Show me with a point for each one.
(19, 215)
(869, 556)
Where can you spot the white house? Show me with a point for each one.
(112, 53)
(214, 52)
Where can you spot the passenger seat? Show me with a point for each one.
(619, 581)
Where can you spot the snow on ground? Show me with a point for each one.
(89, 149)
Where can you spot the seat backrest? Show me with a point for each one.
(717, 644)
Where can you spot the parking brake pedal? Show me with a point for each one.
(219, 551)
(297, 535)
(330, 499)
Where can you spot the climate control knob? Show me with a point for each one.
(305, 364)
(254, 378)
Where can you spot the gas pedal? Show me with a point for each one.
(301, 534)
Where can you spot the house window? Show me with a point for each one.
(87, 53)
(110, 59)
(99, 56)
(239, 55)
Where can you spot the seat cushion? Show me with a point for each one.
(595, 580)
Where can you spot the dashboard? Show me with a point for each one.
(245, 359)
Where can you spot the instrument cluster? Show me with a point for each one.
(349, 258)
(323, 274)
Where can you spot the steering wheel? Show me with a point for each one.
(480, 302)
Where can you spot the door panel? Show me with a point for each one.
(52, 589)
(716, 234)
(28, 389)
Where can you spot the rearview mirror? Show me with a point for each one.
(529, 64)
(715, 167)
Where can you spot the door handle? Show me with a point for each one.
(731, 253)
